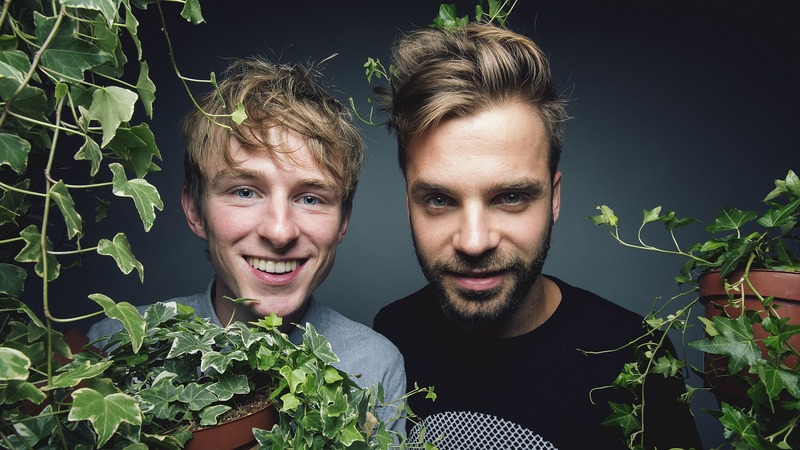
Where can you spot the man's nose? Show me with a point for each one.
(476, 234)
(278, 224)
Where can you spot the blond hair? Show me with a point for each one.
(285, 95)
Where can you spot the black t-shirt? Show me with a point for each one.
(534, 391)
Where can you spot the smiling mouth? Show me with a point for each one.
(276, 267)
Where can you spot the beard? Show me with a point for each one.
(491, 305)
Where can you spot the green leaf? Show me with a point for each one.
(735, 340)
(24, 391)
(104, 413)
(447, 18)
(137, 147)
(125, 313)
(30, 102)
(159, 313)
(220, 361)
(332, 375)
(32, 252)
(652, 215)
(190, 343)
(731, 219)
(107, 7)
(14, 64)
(209, 416)
(132, 25)
(120, 250)
(14, 152)
(240, 115)
(72, 220)
(12, 280)
(15, 365)
(66, 55)
(161, 394)
(622, 416)
(319, 345)
(230, 385)
(738, 250)
(146, 88)
(197, 396)
(191, 12)
(606, 217)
(776, 380)
(775, 218)
(90, 151)
(111, 106)
(77, 371)
(738, 423)
(145, 196)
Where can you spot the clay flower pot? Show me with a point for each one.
(236, 434)
(784, 286)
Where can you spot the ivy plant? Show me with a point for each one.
(739, 241)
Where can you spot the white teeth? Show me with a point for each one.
(272, 266)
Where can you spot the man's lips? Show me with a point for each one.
(477, 281)
(274, 267)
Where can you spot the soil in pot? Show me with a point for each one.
(235, 430)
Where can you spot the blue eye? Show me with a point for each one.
(511, 198)
(244, 193)
(437, 201)
(310, 200)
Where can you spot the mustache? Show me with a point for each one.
(485, 263)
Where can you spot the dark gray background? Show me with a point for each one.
(692, 105)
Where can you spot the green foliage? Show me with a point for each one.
(768, 416)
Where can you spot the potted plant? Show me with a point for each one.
(746, 275)
(66, 129)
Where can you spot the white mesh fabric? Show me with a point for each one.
(462, 430)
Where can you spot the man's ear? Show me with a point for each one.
(194, 216)
(556, 195)
(347, 211)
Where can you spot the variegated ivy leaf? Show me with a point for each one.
(72, 220)
(111, 106)
(210, 416)
(12, 280)
(230, 385)
(197, 396)
(30, 102)
(146, 88)
(90, 151)
(319, 345)
(137, 148)
(161, 394)
(120, 250)
(125, 313)
(32, 252)
(18, 391)
(145, 196)
(191, 12)
(19, 64)
(66, 57)
(29, 432)
(220, 361)
(132, 25)
(159, 313)
(107, 7)
(9, 71)
(105, 413)
(14, 152)
(77, 371)
(15, 364)
(294, 377)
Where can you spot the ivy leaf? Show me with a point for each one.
(622, 416)
(161, 394)
(125, 313)
(189, 343)
(104, 413)
(120, 250)
(776, 380)
(137, 147)
(22, 390)
(220, 361)
(731, 219)
(66, 55)
(12, 280)
(735, 340)
(230, 385)
(652, 215)
(14, 152)
(77, 371)
(90, 151)
(15, 364)
(197, 396)
(146, 88)
(775, 218)
(606, 217)
(738, 249)
(210, 415)
(30, 102)
(447, 18)
(32, 252)
(72, 220)
(159, 313)
(111, 106)
(145, 196)
(191, 12)
(740, 424)
(240, 115)
(106, 7)
(319, 345)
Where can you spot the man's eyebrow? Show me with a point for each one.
(424, 187)
(526, 184)
(229, 173)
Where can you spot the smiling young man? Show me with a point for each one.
(479, 130)
(272, 198)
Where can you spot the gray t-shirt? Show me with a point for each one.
(366, 355)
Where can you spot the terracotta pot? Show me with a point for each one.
(237, 434)
(784, 286)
